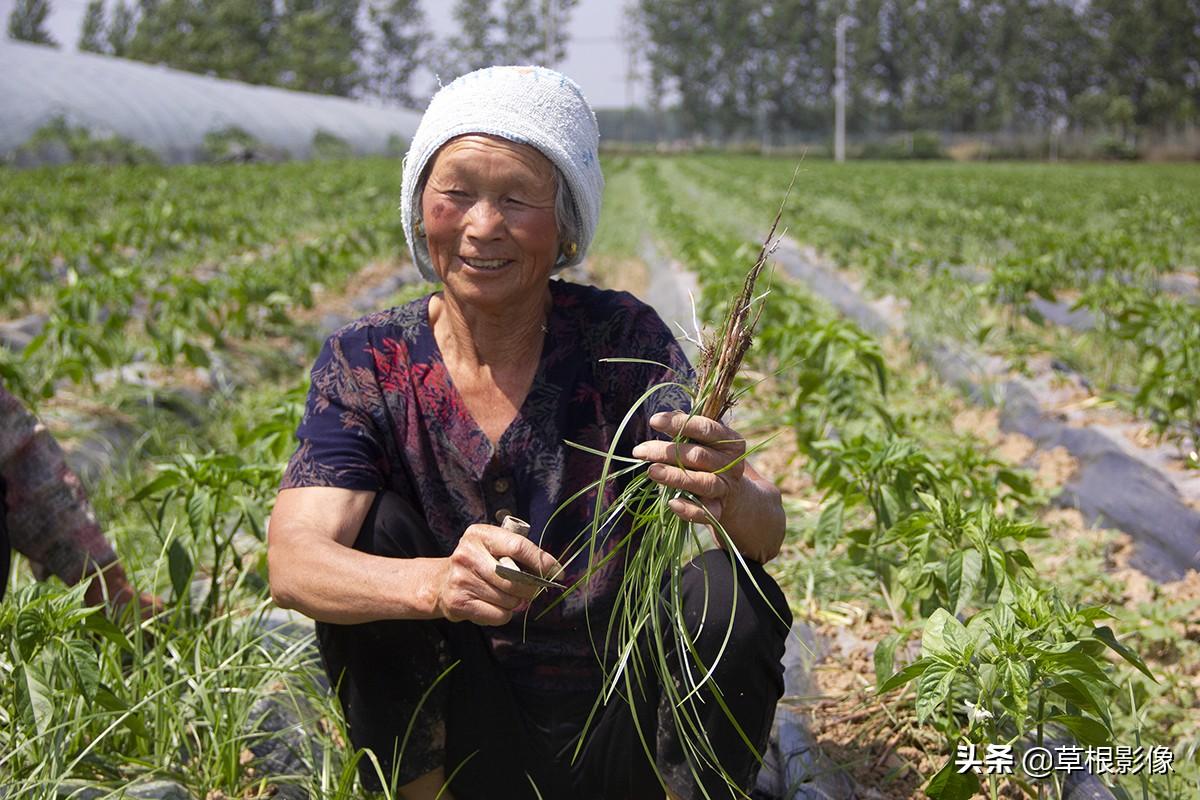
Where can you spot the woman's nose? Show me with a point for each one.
(484, 219)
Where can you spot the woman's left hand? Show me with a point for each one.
(701, 466)
(711, 466)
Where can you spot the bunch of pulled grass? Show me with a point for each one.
(646, 634)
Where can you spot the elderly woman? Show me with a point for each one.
(427, 424)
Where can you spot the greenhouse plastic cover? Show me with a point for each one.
(170, 111)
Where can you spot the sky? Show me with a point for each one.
(596, 57)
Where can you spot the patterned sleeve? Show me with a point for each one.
(340, 443)
(49, 518)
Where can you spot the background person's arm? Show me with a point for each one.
(49, 518)
(315, 570)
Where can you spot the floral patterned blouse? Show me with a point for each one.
(383, 413)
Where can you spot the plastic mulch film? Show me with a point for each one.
(169, 111)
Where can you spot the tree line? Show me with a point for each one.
(734, 68)
(726, 68)
(380, 48)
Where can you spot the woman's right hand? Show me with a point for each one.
(469, 588)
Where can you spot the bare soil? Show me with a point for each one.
(877, 740)
(624, 274)
(340, 302)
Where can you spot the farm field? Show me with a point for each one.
(983, 252)
(162, 321)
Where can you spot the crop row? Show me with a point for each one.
(1100, 235)
(128, 265)
(199, 258)
(1070, 221)
(942, 530)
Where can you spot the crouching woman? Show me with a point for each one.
(427, 424)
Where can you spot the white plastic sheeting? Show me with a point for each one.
(170, 111)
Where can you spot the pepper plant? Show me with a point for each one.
(1023, 672)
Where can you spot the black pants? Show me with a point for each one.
(500, 749)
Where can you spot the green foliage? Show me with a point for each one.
(225, 38)
(91, 32)
(314, 47)
(1013, 284)
(556, 17)
(324, 46)
(85, 699)
(60, 142)
(86, 331)
(953, 558)
(237, 145)
(1024, 666)
(113, 255)
(1116, 148)
(471, 47)
(309, 45)
(396, 147)
(523, 42)
(327, 146)
(1102, 234)
(839, 372)
(220, 495)
(27, 22)
(951, 784)
(728, 62)
(1166, 334)
(516, 33)
(121, 29)
(195, 266)
(1147, 58)
(931, 536)
(921, 145)
(941, 531)
(190, 266)
(743, 69)
(400, 42)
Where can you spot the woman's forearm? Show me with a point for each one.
(314, 568)
(330, 582)
(754, 518)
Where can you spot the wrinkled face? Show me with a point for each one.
(488, 208)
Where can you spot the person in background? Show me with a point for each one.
(45, 515)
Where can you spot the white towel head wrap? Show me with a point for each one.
(529, 105)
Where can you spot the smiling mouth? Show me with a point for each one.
(484, 263)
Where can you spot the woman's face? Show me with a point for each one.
(488, 208)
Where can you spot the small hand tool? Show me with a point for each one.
(507, 568)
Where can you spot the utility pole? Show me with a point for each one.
(839, 91)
